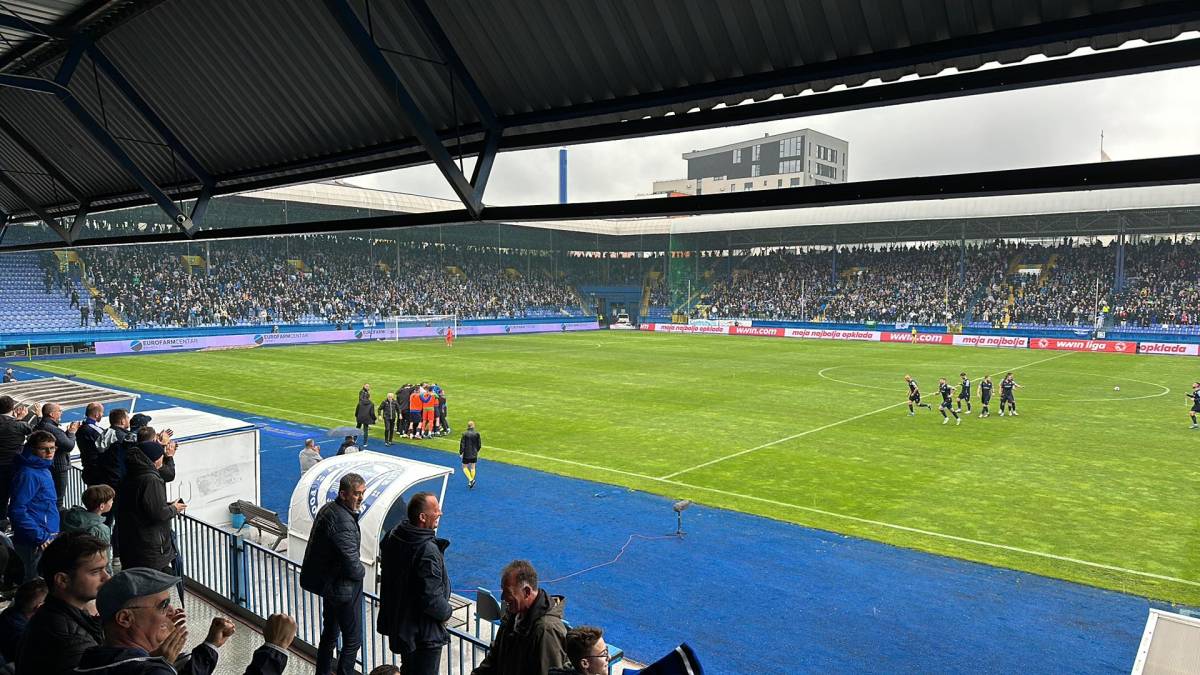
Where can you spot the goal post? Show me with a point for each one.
(418, 325)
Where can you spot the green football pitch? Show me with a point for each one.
(1089, 483)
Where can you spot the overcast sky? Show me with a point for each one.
(1151, 115)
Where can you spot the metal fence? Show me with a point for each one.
(264, 582)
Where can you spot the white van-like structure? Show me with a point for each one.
(390, 482)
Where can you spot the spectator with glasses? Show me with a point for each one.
(586, 651)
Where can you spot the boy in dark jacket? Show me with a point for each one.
(414, 597)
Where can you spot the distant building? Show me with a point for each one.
(793, 159)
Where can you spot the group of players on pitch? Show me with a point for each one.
(948, 407)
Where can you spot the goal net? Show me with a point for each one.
(420, 325)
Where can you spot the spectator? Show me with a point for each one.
(586, 651)
(143, 513)
(8, 376)
(333, 570)
(390, 411)
(74, 567)
(414, 595)
(364, 414)
(87, 438)
(89, 518)
(141, 637)
(33, 508)
(65, 442)
(348, 445)
(13, 432)
(531, 634)
(14, 620)
(386, 669)
(310, 455)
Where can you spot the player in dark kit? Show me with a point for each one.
(985, 395)
(1007, 385)
(964, 393)
(1195, 396)
(914, 396)
(947, 391)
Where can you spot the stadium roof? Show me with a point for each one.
(117, 103)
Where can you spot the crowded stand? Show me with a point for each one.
(338, 280)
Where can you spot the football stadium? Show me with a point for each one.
(767, 418)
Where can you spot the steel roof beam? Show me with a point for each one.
(433, 30)
(390, 82)
(32, 204)
(80, 220)
(41, 160)
(105, 140)
(151, 116)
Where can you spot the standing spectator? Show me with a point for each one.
(97, 312)
(141, 639)
(586, 651)
(364, 414)
(8, 376)
(112, 446)
(15, 619)
(414, 596)
(87, 438)
(402, 397)
(33, 507)
(84, 313)
(65, 441)
(531, 634)
(89, 518)
(390, 410)
(310, 455)
(12, 439)
(74, 567)
(468, 447)
(143, 512)
(333, 570)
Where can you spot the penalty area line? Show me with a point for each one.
(793, 437)
(867, 521)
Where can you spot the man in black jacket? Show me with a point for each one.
(332, 569)
(64, 441)
(143, 513)
(12, 439)
(86, 438)
(74, 566)
(390, 411)
(364, 413)
(468, 449)
(402, 398)
(414, 598)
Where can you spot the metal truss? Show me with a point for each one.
(470, 192)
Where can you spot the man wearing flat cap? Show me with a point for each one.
(144, 635)
(143, 512)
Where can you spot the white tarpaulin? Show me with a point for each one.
(390, 480)
(216, 462)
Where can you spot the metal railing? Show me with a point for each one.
(264, 582)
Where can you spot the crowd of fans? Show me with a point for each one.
(254, 283)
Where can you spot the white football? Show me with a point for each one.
(1116, 389)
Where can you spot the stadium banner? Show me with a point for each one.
(319, 336)
(720, 322)
(1107, 346)
(921, 338)
(1169, 348)
(684, 328)
(759, 331)
(821, 334)
(1005, 341)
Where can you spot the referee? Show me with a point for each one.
(468, 447)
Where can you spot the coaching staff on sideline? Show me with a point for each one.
(468, 447)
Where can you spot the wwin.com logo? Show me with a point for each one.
(135, 346)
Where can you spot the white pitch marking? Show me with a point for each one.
(865, 521)
(832, 424)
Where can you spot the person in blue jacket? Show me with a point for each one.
(33, 506)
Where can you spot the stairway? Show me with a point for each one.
(27, 305)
